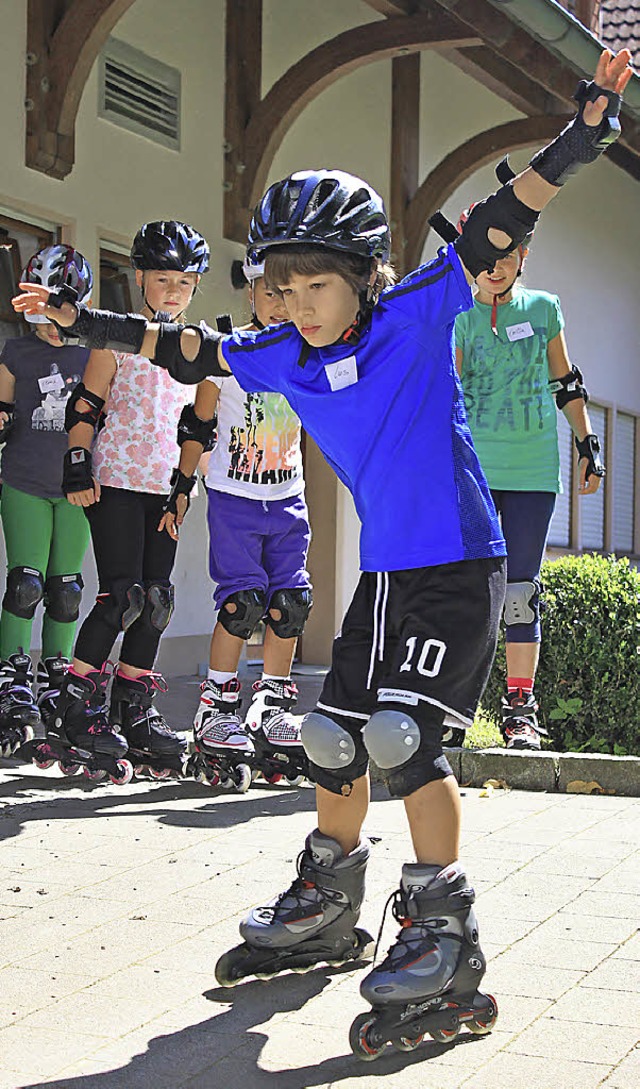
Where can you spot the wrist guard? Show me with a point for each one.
(76, 474)
(502, 211)
(579, 143)
(589, 448)
(93, 415)
(180, 485)
(7, 427)
(569, 388)
(169, 354)
(192, 429)
(101, 329)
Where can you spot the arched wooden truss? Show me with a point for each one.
(64, 38)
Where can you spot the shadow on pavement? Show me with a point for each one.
(199, 1055)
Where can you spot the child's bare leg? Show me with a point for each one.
(433, 813)
(341, 817)
(225, 651)
(278, 654)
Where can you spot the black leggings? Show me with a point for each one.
(127, 549)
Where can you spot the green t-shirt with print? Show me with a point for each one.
(505, 377)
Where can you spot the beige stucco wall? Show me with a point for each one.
(587, 250)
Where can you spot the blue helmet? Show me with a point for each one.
(58, 266)
(167, 244)
(321, 208)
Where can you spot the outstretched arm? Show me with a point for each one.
(189, 353)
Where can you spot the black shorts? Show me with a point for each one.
(423, 638)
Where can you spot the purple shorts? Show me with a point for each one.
(257, 544)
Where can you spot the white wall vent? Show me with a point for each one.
(140, 93)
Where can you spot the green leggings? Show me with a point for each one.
(51, 536)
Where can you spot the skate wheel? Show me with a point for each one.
(446, 1036)
(243, 780)
(229, 968)
(44, 765)
(213, 779)
(407, 1043)
(160, 773)
(364, 1041)
(255, 774)
(275, 778)
(95, 776)
(226, 782)
(485, 1019)
(125, 773)
(297, 780)
(69, 769)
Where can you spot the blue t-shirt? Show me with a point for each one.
(389, 417)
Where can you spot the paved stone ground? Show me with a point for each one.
(115, 903)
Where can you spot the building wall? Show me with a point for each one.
(586, 250)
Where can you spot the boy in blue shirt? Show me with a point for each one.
(369, 368)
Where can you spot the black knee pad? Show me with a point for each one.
(409, 754)
(159, 605)
(25, 590)
(294, 607)
(62, 597)
(122, 604)
(250, 606)
(336, 753)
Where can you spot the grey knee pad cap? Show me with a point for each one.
(391, 738)
(326, 743)
(521, 603)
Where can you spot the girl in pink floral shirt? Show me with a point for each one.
(122, 479)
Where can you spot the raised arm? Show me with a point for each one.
(496, 225)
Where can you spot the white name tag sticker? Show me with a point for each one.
(519, 332)
(342, 374)
(51, 384)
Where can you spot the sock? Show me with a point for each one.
(272, 677)
(218, 676)
(521, 686)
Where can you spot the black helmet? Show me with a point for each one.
(58, 266)
(321, 208)
(169, 245)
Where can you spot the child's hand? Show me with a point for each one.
(172, 522)
(33, 300)
(613, 72)
(590, 486)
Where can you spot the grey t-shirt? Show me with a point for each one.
(45, 376)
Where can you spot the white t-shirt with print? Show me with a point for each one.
(258, 453)
(137, 448)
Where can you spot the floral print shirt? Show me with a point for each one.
(136, 450)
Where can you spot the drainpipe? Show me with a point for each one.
(565, 36)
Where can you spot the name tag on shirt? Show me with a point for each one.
(519, 332)
(51, 384)
(342, 374)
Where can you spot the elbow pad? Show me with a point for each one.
(192, 429)
(101, 329)
(7, 427)
(502, 211)
(579, 143)
(169, 354)
(92, 416)
(569, 388)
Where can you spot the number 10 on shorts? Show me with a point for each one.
(429, 660)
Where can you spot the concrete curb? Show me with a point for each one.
(551, 772)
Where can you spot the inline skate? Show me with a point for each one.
(152, 744)
(49, 677)
(275, 733)
(520, 726)
(79, 734)
(311, 923)
(428, 982)
(19, 714)
(224, 753)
